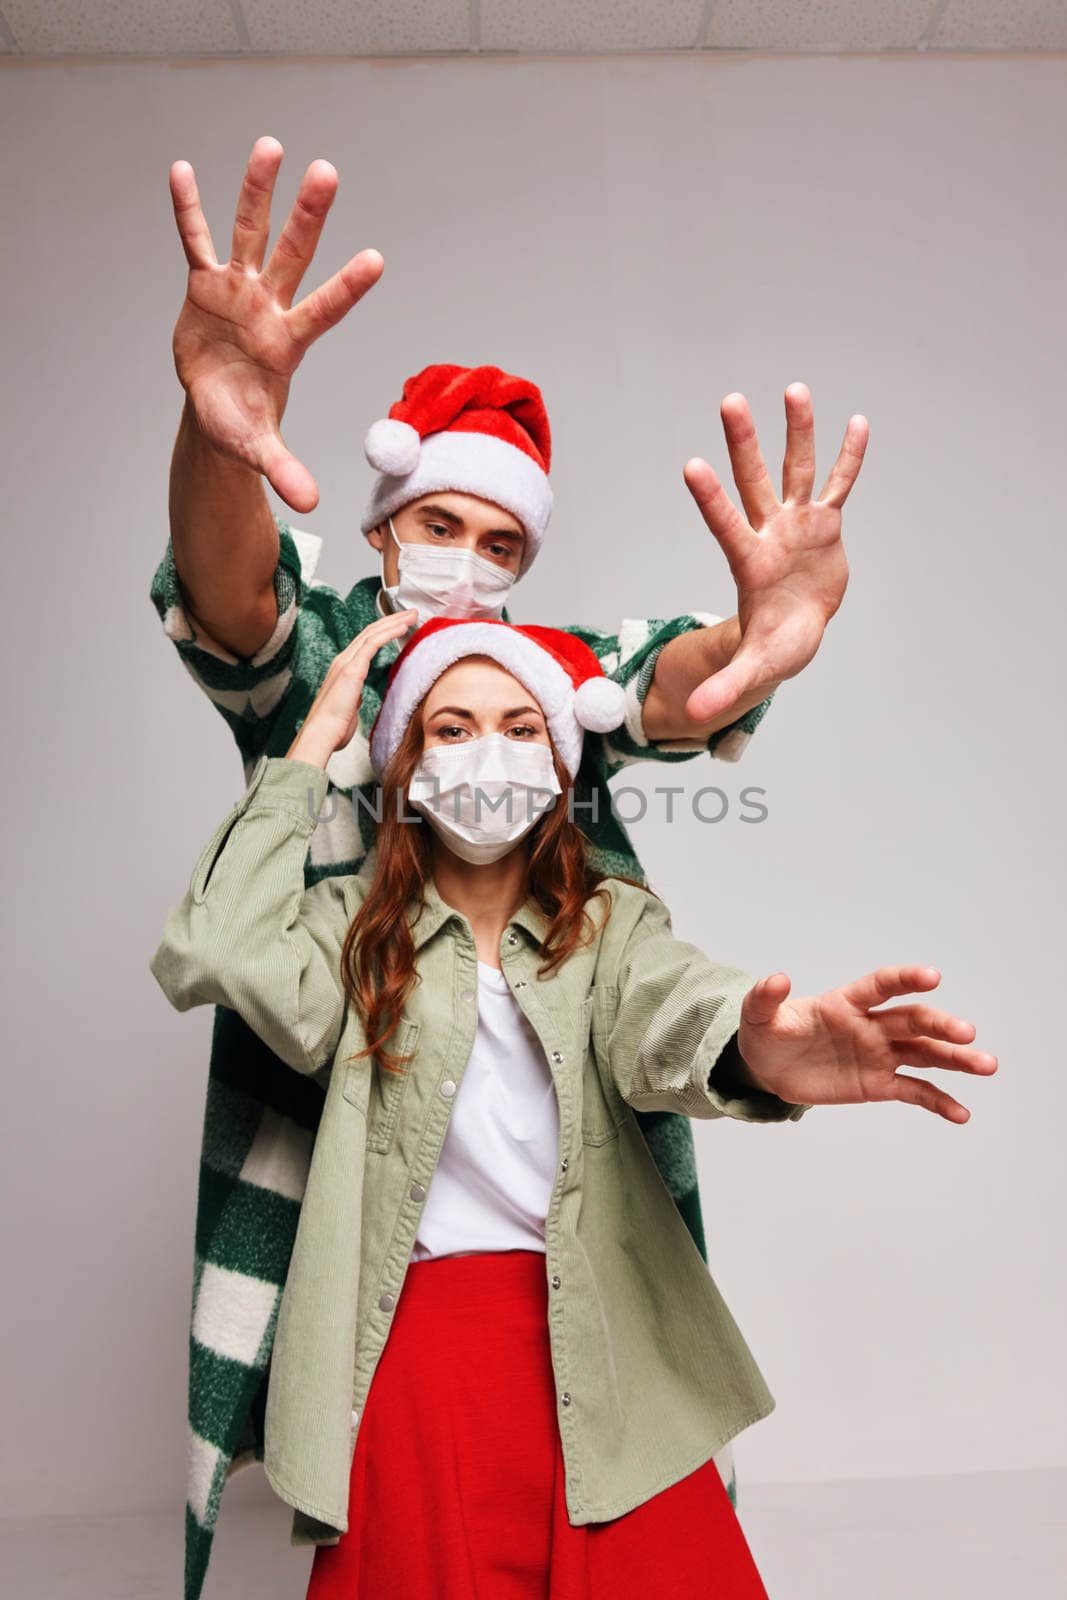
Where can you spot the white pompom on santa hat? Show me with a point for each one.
(558, 669)
(474, 430)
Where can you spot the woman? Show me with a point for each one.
(501, 1368)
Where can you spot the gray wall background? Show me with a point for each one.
(640, 236)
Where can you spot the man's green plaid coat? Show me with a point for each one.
(260, 1117)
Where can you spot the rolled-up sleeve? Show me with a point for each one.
(248, 935)
(629, 657)
(672, 1043)
(247, 691)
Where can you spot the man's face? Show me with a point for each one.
(452, 521)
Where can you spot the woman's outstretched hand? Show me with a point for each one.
(334, 713)
(835, 1049)
(239, 338)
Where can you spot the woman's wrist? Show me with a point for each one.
(312, 748)
(732, 1064)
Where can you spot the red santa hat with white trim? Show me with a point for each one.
(558, 669)
(476, 430)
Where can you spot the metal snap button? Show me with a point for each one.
(557, 1058)
(556, 1280)
(448, 1088)
(386, 1302)
(565, 1397)
(468, 995)
(417, 1192)
(564, 1164)
(355, 1419)
(512, 939)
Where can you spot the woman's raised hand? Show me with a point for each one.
(239, 339)
(334, 712)
(835, 1049)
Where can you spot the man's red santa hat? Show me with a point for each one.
(559, 670)
(476, 430)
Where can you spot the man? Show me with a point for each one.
(236, 593)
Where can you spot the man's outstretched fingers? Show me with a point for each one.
(746, 461)
(296, 244)
(846, 468)
(192, 225)
(334, 299)
(251, 221)
(724, 688)
(798, 468)
(718, 510)
(287, 476)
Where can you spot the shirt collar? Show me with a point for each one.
(435, 912)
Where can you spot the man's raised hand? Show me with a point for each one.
(239, 338)
(785, 555)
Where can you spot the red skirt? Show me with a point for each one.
(457, 1485)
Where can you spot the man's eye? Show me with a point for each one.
(438, 528)
(500, 552)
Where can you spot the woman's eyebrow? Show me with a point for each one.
(505, 716)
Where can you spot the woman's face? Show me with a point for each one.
(476, 697)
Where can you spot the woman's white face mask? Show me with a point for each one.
(483, 795)
(447, 583)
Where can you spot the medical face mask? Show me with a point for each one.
(447, 583)
(482, 795)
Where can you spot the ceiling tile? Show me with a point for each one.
(121, 27)
(592, 25)
(357, 27)
(822, 25)
(1002, 25)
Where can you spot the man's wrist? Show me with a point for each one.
(682, 663)
(195, 439)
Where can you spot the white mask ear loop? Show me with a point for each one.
(389, 591)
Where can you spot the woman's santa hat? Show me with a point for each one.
(560, 671)
(477, 430)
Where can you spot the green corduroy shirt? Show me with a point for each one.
(652, 1373)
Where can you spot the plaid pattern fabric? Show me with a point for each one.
(260, 1117)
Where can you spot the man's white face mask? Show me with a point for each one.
(482, 795)
(447, 583)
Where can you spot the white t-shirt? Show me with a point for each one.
(493, 1182)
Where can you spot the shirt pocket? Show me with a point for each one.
(603, 1108)
(387, 1088)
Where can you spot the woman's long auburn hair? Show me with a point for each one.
(378, 955)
